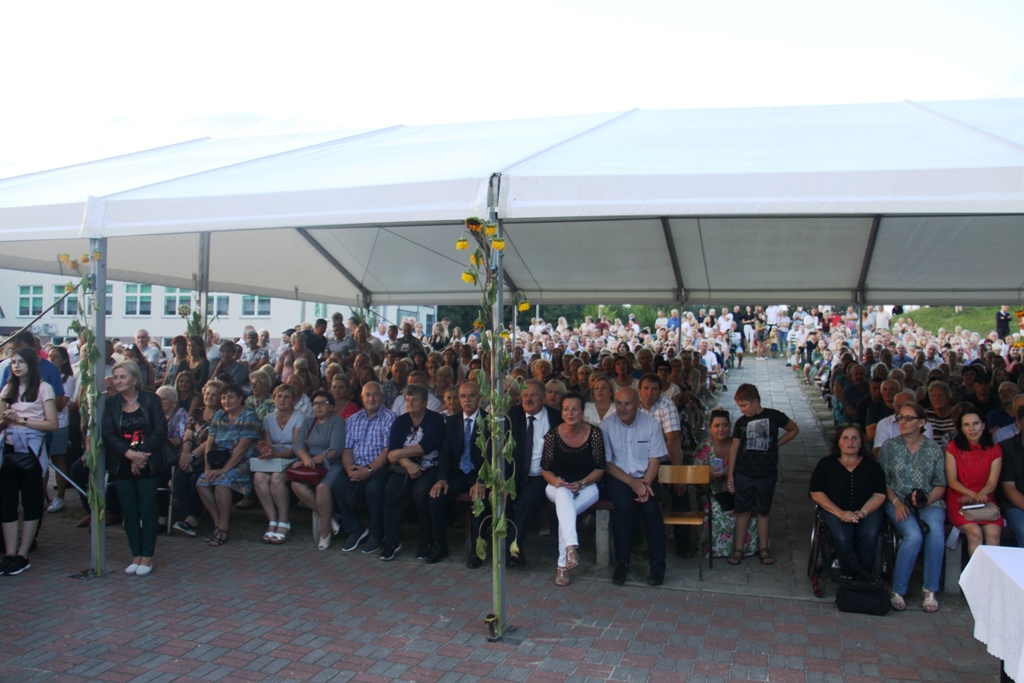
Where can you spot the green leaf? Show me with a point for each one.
(510, 486)
(501, 527)
(478, 507)
(481, 548)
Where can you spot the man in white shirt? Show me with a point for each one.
(634, 447)
(888, 428)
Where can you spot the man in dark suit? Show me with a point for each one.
(458, 467)
(529, 422)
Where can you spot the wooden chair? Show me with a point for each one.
(693, 475)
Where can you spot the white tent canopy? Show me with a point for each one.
(903, 202)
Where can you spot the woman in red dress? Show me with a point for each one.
(973, 463)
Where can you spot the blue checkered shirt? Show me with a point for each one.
(367, 437)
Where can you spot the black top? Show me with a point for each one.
(758, 455)
(573, 464)
(848, 490)
(114, 441)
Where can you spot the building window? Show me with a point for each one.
(67, 307)
(30, 300)
(320, 311)
(256, 306)
(174, 298)
(217, 304)
(138, 300)
(110, 300)
(404, 313)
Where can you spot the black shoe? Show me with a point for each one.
(355, 538)
(423, 550)
(619, 576)
(516, 562)
(17, 566)
(474, 562)
(437, 554)
(389, 551)
(372, 546)
(656, 578)
(685, 550)
(6, 562)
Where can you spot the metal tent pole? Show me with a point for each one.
(204, 276)
(98, 476)
(498, 382)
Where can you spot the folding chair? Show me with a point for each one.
(694, 475)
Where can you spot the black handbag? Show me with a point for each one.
(217, 458)
(863, 598)
(17, 463)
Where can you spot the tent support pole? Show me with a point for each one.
(498, 383)
(98, 476)
(204, 275)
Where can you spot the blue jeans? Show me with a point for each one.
(855, 542)
(1015, 519)
(910, 547)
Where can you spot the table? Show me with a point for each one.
(993, 583)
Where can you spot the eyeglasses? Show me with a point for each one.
(321, 403)
(907, 418)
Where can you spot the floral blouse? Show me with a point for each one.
(906, 471)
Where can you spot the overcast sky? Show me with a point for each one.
(83, 81)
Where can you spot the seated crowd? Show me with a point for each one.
(367, 428)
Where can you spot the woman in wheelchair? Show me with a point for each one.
(915, 475)
(849, 487)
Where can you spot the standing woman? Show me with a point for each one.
(915, 475)
(134, 433)
(59, 446)
(27, 409)
(198, 365)
(573, 461)
(973, 465)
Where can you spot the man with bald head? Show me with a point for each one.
(634, 445)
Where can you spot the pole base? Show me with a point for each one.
(85, 575)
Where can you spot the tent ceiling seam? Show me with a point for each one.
(670, 244)
(349, 138)
(703, 255)
(526, 266)
(568, 139)
(869, 253)
(920, 108)
(417, 244)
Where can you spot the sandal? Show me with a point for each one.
(280, 537)
(325, 543)
(766, 556)
(930, 604)
(562, 576)
(212, 537)
(735, 557)
(897, 602)
(269, 536)
(572, 557)
(220, 537)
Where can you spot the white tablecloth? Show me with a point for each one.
(993, 582)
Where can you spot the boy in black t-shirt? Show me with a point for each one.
(754, 466)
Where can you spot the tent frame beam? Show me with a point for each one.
(670, 244)
(313, 242)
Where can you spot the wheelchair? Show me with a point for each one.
(823, 559)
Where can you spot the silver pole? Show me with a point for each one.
(498, 382)
(98, 476)
(204, 275)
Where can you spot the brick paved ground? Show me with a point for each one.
(251, 612)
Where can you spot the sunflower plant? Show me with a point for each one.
(483, 241)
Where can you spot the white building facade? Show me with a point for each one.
(133, 305)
